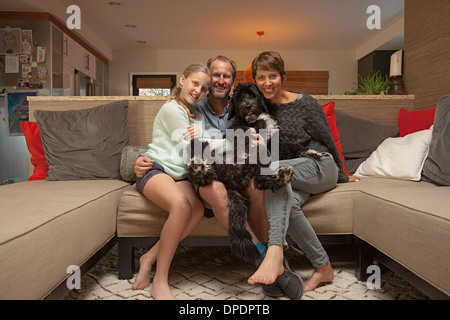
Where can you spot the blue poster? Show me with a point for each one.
(17, 105)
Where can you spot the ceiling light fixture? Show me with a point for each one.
(248, 77)
(260, 34)
(115, 4)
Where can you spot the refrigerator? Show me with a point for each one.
(77, 83)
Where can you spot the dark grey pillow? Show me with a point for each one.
(437, 164)
(360, 137)
(84, 144)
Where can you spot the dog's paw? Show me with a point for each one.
(285, 174)
(313, 154)
(276, 180)
(200, 172)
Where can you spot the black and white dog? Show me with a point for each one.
(236, 171)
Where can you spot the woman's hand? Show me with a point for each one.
(353, 179)
(257, 139)
(192, 132)
(142, 165)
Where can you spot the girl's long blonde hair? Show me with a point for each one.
(176, 93)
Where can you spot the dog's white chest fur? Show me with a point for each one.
(270, 123)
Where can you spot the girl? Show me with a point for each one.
(163, 179)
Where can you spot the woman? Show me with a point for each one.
(163, 179)
(300, 119)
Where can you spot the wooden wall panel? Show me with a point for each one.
(427, 50)
(379, 108)
(310, 82)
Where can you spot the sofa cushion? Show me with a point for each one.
(34, 144)
(328, 109)
(47, 226)
(415, 120)
(84, 144)
(409, 222)
(134, 220)
(328, 213)
(399, 158)
(437, 165)
(360, 137)
(332, 212)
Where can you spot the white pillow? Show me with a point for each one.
(399, 158)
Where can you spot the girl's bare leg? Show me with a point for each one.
(170, 196)
(147, 260)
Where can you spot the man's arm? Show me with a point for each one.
(142, 165)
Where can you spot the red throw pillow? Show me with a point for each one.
(415, 120)
(331, 117)
(34, 144)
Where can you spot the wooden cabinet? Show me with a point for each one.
(78, 57)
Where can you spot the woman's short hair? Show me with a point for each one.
(268, 61)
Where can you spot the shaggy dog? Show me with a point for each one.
(236, 170)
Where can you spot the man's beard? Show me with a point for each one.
(222, 96)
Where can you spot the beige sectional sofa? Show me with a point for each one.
(47, 226)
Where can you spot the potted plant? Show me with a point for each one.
(373, 84)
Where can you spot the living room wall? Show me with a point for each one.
(341, 64)
(427, 50)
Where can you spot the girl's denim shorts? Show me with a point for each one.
(140, 182)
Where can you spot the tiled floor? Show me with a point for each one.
(212, 273)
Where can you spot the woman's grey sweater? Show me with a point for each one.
(305, 122)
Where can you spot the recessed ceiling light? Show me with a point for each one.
(141, 41)
(115, 4)
(132, 26)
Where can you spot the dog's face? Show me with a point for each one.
(247, 102)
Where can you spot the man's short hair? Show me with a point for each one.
(224, 59)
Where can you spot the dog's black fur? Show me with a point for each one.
(249, 110)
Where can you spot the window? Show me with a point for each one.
(153, 85)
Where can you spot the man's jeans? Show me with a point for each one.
(284, 206)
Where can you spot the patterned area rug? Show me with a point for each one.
(213, 273)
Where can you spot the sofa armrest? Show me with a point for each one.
(127, 160)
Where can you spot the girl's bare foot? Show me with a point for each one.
(161, 291)
(270, 268)
(143, 277)
(322, 274)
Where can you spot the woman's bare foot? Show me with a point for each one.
(161, 291)
(322, 274)
(270, 268)
(145, 267)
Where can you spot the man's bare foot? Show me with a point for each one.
(145, 267)
(161, 291)
(322, 274)
(270, 268)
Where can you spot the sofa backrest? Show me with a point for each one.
(142, 110)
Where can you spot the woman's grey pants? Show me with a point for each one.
(284, 206)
